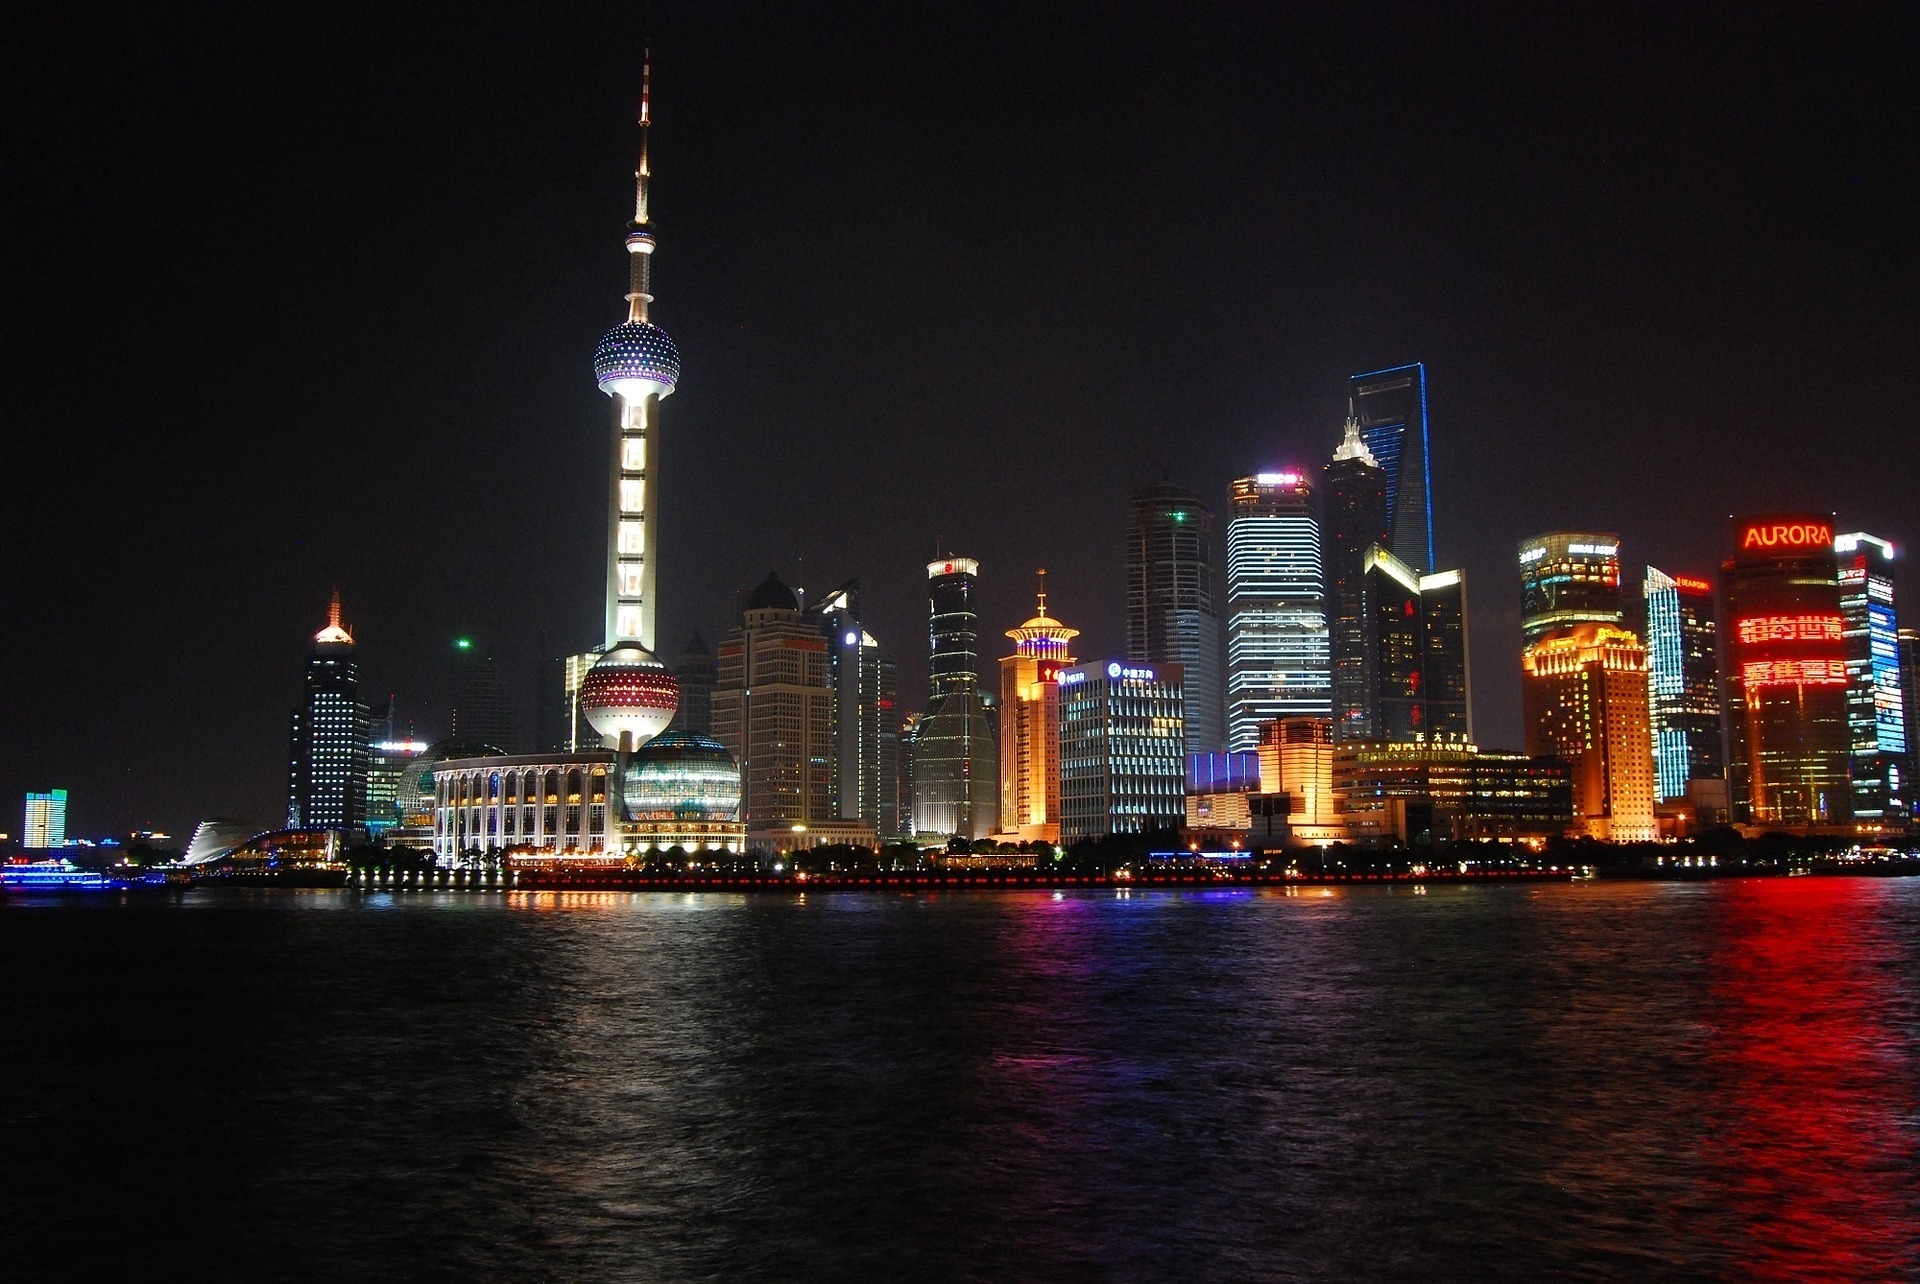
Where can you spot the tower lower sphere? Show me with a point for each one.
(628, 691)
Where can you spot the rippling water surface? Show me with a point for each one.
(1615, 1081)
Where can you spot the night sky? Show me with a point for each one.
(303, 295)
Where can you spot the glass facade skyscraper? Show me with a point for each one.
(482, 710)
(866, 778)
(1391, 406)
(956, 776)
(1171, 616)
(1569, 578)
(1876, 708)
(1415, 643)
(1683, 682)
(1276, 620)
(1353, 518)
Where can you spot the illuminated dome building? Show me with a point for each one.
(682, 790)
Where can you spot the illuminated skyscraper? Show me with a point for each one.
(1353, 508)
(46, 820)
(327, 761)
(1171, 617)
(1030, 726)
(629, 696)
(1585, 692)
(1391, 406)
(1786, 673)
(1123, 761)
(1876, 708)
(773, 710)
(1683, 681)
(863, 680)
(1569, 578)
(1414, 639)
(1276, 621)
(956, 779)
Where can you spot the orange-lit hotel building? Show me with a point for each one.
(1586, 703)
(1585, 682)
(1030, 727)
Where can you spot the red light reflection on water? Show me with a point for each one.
(1810, 1152)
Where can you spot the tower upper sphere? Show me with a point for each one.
(636, 360)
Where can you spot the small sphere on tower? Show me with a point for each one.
(635, 360)
(629, 691)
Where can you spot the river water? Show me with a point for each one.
(1588, 1082)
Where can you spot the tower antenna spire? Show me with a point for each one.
(640, 231)
(1043, 590)
(333, 609)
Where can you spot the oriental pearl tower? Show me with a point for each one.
(629, 696)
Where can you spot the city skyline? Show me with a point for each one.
(1655, 434)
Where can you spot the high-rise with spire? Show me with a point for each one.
(1353, 507)
(327, 758)
(629, 696)
(1030, 726)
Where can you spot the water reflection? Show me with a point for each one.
(1812, 1146)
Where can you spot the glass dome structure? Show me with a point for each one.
(636, 359)
(682, 776)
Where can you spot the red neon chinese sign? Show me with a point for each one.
(1790, 628)
(1793, 673)
(1790, 534)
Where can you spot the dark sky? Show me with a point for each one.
(305, 294)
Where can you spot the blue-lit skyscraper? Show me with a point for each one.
(1683, 683)
(1276, 614)
(1391, 406)
(1876, 714)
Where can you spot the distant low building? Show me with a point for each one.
(546, 803)
(1416, 792)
